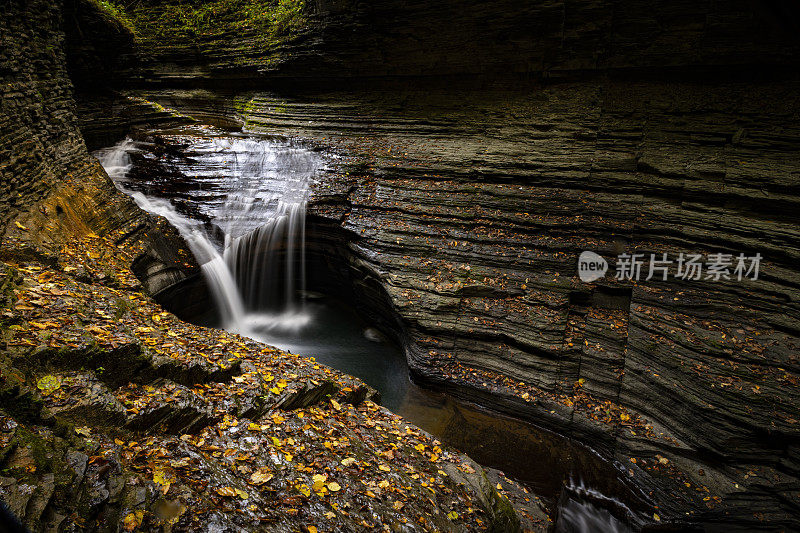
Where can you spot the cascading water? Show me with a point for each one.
(256, 196)
(240, 204)
(585, 510)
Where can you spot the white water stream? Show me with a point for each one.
(265, 185)
(581, 514)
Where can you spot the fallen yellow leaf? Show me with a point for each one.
(49, 384)
(230, 492)
(133, 520)
(318, 482)
(260, 477)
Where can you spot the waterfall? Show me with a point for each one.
(586, 510)
(257, 273)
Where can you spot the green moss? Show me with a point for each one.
(122, 306)
(115, 12)
(47, 454)
(177, 21)
(501, 514)
(9, 281)
(164, 110)
(244, 106)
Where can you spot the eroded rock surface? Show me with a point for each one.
(463, 216)
(470, 212)
(345, 39)
(118, 444)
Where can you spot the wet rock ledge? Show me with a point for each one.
(457, 218)
(468, 211)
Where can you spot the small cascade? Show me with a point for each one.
(266, 283)
(586, 510)
(258, 202)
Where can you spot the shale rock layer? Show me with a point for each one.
(470, 212)
(350, 38)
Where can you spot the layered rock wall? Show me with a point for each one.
(351, 38)
(473, 37)
(38, 139)
(51, 188)
(76, 329)
(470, 210)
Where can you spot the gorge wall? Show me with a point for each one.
(547, 38)
(665, 128)
(51, 188)
(657, 127)
(469, 210)
(353, 38)
(112, 411)
(662, 127)
(40, 142)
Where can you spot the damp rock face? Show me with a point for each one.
(117, 416)
(39, 142)
(122, 417)
(464, 216)
(458, 219)
(47, 175)
(332, 39)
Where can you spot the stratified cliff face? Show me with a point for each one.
(110, 407)
(346, 38)
(38, 139)
(464, 213)
(469, 211)
(52, 189)
(551, 37)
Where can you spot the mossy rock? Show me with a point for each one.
(9, 281)
(122, 364)
(502, 517)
